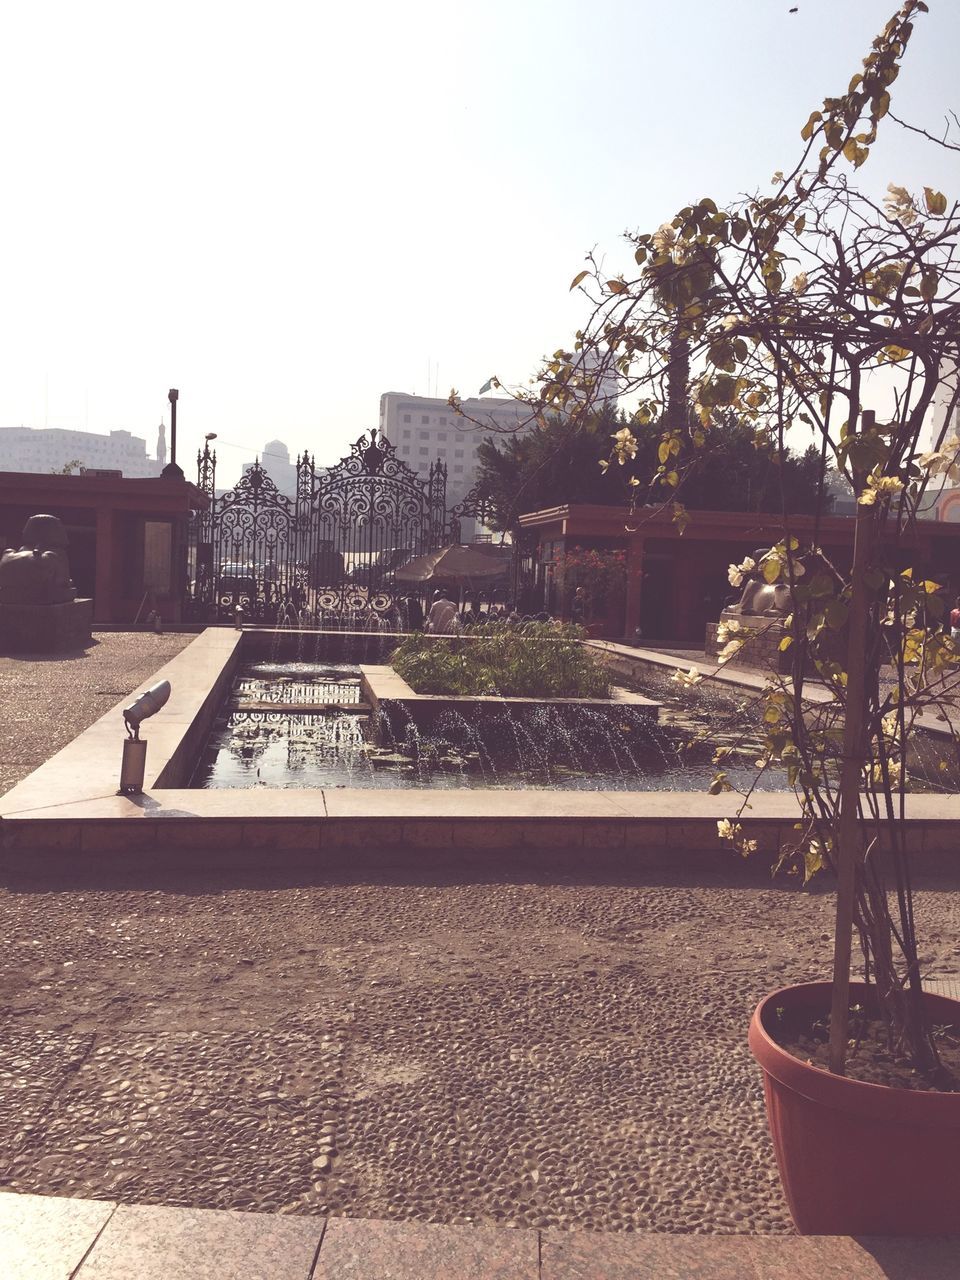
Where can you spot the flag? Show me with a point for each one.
(488, 385)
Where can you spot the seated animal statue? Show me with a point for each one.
(762, 599)
(39, 573)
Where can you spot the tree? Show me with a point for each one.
(68, 468)
(786, 302)
(551, 467)
(560, 464)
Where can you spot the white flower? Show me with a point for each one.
(664, 238)
(737, 572)
(943, 461)
(894, 770)
(898, 205)
(624, 444)
(730, 650)
(726, 629)
(879, 487)
(688, 679)
(727, 830)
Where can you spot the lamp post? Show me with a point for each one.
(171, 471)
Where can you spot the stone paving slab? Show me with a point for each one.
(860, 1258)
(586, 1255)
(143, 1242)
(49, 1238)
(45, 1238)
(358, 1249)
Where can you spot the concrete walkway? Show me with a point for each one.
(45, 1238)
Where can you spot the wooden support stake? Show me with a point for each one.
(849, 844)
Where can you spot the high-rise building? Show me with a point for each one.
(275, 460)
(943, 494)
(45, 449)
(423, 429)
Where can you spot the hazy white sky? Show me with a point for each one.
(285, 209)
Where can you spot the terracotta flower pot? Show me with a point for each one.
(858, 1159)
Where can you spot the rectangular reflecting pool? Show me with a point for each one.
(297, 724)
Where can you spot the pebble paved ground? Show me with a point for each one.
(524, 1051)
(45, 702)
(518, 1051)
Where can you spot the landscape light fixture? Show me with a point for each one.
(134, 763)
(171, 471)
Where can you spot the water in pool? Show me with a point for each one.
(262, 738)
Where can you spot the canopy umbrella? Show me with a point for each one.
(456, 566)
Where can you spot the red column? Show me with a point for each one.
(686, 581)
(103, 591)
(634, 587)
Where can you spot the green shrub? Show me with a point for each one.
(530, 660)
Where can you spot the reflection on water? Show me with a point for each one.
(253, 744)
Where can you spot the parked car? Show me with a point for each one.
(380, 565)
(237, 579)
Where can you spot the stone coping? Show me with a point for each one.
(744, 678)
(384, 684)
(340, 829)
(55, 1238)
(70, 804)
(88, 768)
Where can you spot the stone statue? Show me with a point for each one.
(762, 599)
(39, 572)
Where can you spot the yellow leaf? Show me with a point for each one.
(770, 569)
(812, 863)
(807, 131)
(581, 275)
(936, 201)
(928, 284)
(616, 286)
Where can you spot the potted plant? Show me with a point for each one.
(816, 304)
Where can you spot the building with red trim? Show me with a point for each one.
(127, 537)
(677, 583)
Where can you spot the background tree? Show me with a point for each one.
(561, 464)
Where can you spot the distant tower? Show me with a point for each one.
(161, 448)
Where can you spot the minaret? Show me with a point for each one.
(161, 449)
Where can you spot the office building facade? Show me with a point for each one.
(41, 450)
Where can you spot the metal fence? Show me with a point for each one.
(328, 555)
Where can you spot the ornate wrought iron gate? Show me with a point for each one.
(330, 552)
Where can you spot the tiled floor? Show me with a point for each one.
(45, 1238)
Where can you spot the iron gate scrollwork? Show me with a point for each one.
(331, 552)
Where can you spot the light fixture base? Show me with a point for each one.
(133, 767)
